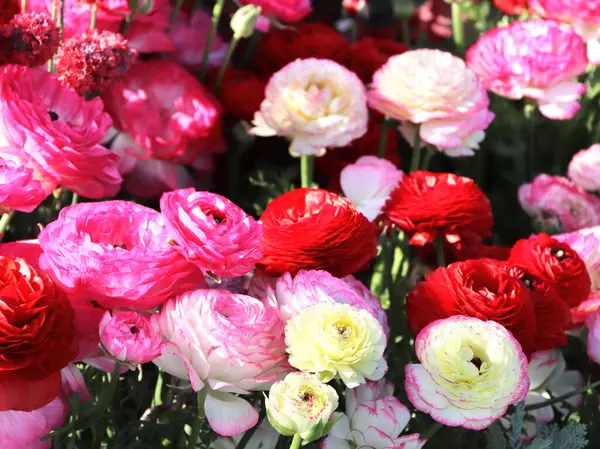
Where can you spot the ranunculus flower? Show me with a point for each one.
(284, 10)
(316, 103)
(116, 253)
(368, 183)
(346, 341)
(228, 344)
(374, 418)
(415, 87)
(536, 59)
(555, 263)
(58, 130)
(33, 37)
(20, 187)
(584, 168)
(242, 92)
(129, 337)
(470, 372)
(264, 436)
(301, 404)
(593, 342)
(313, 229)
(167, 119)
(582, 15)
(456, 206)
(355, 5)
(36, 334)
(511, 6)
(8, 9)
(212, 232)
(558, 204)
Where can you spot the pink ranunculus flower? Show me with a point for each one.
(212, 232)
(436, 91)
(470, 372)
(584, 168)
(166, 120)
(368, 183)
(593, 342)
(316, 103)
(582, 15)
(284, 10)
(58, 130)
(20, 187)
(536, 59)
(129, 337)
(559, 204)
(116, 253)
(227, 343)
(374, 418)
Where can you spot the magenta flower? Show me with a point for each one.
(212, 232)
(536, 59)
(284, 10)
(116, 253)
(129, 337)
(584, 168)
(19, 188)
(58, 130)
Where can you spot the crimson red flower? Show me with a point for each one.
(511, 6)
(8, 8)
(439, 204)
(34, 38)
(312, 229)
(555, 263)
(483, 289)
(242, 92)
(36, 336)
(306, 40)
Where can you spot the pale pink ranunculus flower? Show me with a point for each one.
(129, 337)
(582, 15)
(227, 343)
(436, 91)
(368, 183)
(283, 10)
(470, 372)
(535, 59)
(373, 418)
(584, 168)
(20, 187)
(593, 342)
(212, 232)
(559, 204)
(316, 103)
(58, 130)
(116, 253)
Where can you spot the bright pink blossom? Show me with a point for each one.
(584, 168)
(19, 188)
(212, 232)
(284, 10)
(593, 343)
(559, 204)
(58, 130)
(228, 344)
(536, 59)
(116, 253)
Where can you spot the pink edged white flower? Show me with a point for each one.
(584, 168)
(559, 204)
(58, 130)
(316, 103)
(374, 418)
(470, 372)
(227, 343)
(535, 59)
(436, 91)
(593, 342)
(368, 183)
(116, 253)
(264, 437)
(212, 232)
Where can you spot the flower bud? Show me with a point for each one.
(301, 404)
(243, 21)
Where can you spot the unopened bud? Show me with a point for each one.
(243, 21)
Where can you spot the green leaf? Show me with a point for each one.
(494, 437)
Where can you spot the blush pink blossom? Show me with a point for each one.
(58, 130)
(535, 59)
(229, 344)
(436, 91)
(558, 204)
(368, 183)
(19, 188)
(116, 253)
(284, 10)
(212, 232)
(584, 168)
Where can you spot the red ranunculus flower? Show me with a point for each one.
(306, 40)
(36, 336)
(242, 92)
(555, 263)
(429, 205)
(313, 229)
(511, 6)
(8, 9)
(483, 289)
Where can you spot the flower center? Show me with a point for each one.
(120, 245)
(134, 330)
(53, 116)
(343, 330)
(558, 253)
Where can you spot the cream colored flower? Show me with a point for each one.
(337, 339)
(316, 103)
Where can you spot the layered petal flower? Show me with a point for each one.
(285, 10)
(20, 188)
(584, 168)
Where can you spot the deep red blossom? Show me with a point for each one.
(32, 39)
(242, 92)
(8, 8)
(515, 7)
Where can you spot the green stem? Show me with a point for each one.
(93, 15)
(439, 251)
(530, 115)
(228, 55)
(562, 398)
(23, 5)
(405, 31)
(458, 31)
(385, 125)
(197, 425)
(296, 442)
(53, 16)
(75, 199)
(158, 388)
(216, 16)
(416, 156)
(4, 221)
(307, 165)
(175, 12)
(61, 20)
(433, 429)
